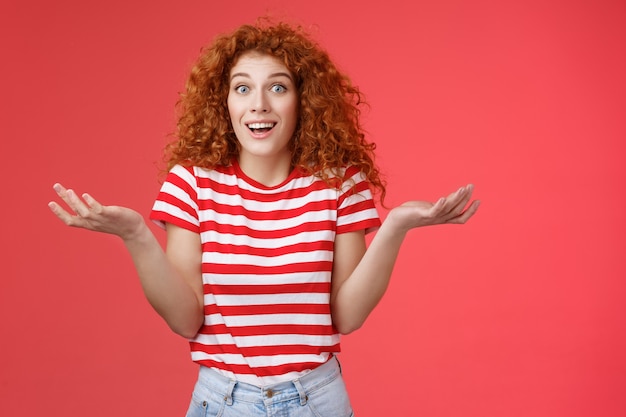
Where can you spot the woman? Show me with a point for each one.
(266, 206)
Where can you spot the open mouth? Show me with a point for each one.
(261, 127)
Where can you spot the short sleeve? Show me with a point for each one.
(355, 206)
(177, 201)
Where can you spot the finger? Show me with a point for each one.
(58, 210)
(79, 207)
(60, 190)
(465, 194)
(467, 214)
(94, 205)
(439, 207)
(71, 199)
(65, 194)
(456, 202)
(64, 216)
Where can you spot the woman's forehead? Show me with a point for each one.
(258, 61)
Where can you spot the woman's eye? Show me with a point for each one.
(277, 88)
(242, 89)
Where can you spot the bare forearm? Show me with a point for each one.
(362, 291)
(175, 293)
(166, 290)
(359, 286)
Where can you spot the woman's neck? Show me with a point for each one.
(267, 171)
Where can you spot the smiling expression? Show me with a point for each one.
(263, 108)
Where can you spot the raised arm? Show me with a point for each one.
(171, 280)
(361, 276)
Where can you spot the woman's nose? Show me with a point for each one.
(260, 103)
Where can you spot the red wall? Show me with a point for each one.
(521, 312)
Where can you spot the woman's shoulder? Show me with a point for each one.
(201, 171)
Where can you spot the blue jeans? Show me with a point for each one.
(320, 393)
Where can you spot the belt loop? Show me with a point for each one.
(229, 392)
(301, 392)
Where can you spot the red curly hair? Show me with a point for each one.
(328, 135)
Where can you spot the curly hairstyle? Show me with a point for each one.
(328, 134)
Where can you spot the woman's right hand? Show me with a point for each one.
(91, 215)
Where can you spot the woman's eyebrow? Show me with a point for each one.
(274, 75)
(280, 74)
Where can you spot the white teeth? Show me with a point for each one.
(261, 125)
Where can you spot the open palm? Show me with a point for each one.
(91, 215)
(453, 209)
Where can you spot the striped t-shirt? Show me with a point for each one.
(266, 265)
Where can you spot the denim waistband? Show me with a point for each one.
(283, 391)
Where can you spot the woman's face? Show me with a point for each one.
(263, 107)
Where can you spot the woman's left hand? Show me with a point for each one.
(453, 209)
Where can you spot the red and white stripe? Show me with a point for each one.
(266, 265)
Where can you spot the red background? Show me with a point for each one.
(521, 312)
